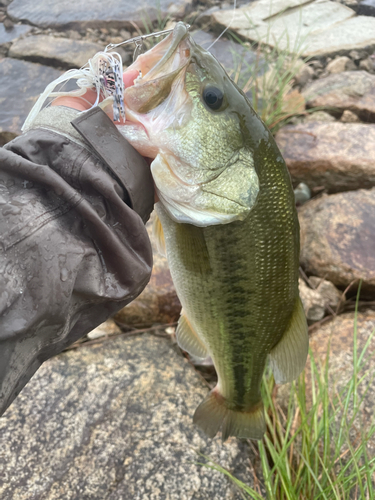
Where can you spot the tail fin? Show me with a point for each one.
(212, 414)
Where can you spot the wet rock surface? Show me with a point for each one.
(327, 28)
(7, 35)
(350, 90)
(21, 83)
(53, 51)
(232, 55)
(367, 8)
(335, 156)
(92, 13)
(338, 238)
(113, 421)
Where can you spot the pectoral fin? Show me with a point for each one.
(157, 231)
(188, 339)
(288, 357)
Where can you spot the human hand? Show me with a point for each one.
(85, 102)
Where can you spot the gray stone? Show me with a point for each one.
(106, 329)
(7, 36)
(236, 59)
(349, 117)
(337, 156)
(21, 83)
(319, 28)
(352, 90)
(319, 116)
(367, 8)
(340, 64)
(92, 13)
(49, 50)
(368, 64)
(114, 421)
(338, 238)
(317, 301)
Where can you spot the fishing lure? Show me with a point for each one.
(102, 73)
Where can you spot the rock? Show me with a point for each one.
(5, 3)
(349, 117)
(91, 13)
(353, 90)
(319, 116)
(302, 193)
(53, 51)
(233, 56)
(158, 303)
(114, 421)
(368, 64)
(21, 83)
(304, 75)
(106, 329)
(367, 8)
(338, 238)
(316, 29)
(338, 156)
(337, 335)
(7, 36)
(323, 298)
(340, 64)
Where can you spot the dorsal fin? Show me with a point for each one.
(188, 339)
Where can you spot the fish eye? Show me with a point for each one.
(213, 97)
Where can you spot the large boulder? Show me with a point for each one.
(350, 90)
(317, 28)
(114, 421)
(338, 238)
(94, 13)
(21, 83)
(61, 52)
(333, 156)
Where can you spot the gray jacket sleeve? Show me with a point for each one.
(73, 246)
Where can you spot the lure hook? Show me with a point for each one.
(138, 41)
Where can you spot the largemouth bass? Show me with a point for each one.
(230, 227)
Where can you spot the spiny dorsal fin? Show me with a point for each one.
(288, 357)
(157, 231)
(188, 339)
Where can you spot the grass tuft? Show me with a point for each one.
(316, 447)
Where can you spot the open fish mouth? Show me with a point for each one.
(157, 70)
(165, 57)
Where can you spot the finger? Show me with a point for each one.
(129, 77)
(81, 103)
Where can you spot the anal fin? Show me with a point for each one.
(288, 357)
(188, 339)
